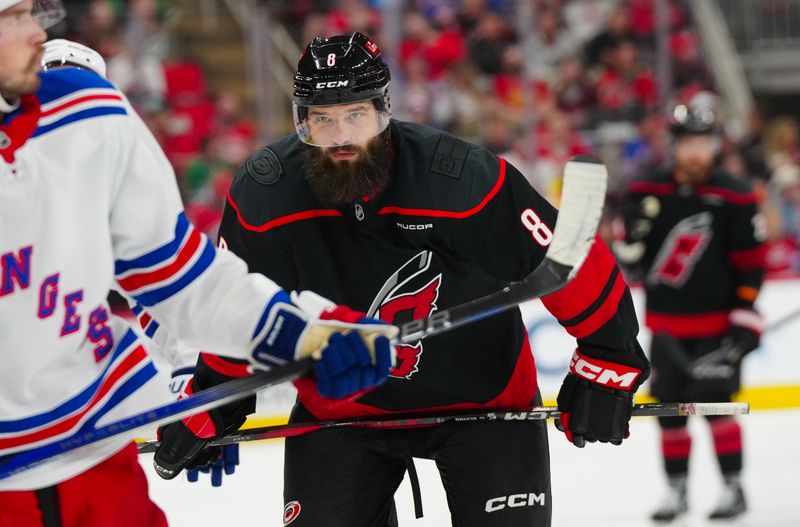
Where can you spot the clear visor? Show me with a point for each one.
(48, 13)
(340, 124)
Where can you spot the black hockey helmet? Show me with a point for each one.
(697, 116)
(340, 70)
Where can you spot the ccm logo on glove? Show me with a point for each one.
(612, 375)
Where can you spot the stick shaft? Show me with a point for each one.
(532, 414)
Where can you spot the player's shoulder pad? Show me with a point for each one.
(440, 171)
(269, 184)
(725, 180)
(63, 82)
(658, 181)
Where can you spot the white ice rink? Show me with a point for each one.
(599, 486)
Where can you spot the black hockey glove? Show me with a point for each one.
(184, 445)
(743, 336)
(596, 399)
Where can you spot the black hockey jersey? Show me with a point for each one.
(454, 223)
(698, 250)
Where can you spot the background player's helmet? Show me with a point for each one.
(59, 52)
(697, 116)
(340, 70)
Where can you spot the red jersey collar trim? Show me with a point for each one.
(16, 133)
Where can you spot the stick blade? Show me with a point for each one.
(583, 195)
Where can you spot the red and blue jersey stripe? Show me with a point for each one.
(70, 95)
(127, 369)
(166, 270)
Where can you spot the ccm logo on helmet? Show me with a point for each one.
(332, 84)
(515, 500)
(616, 376)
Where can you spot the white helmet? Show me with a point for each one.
(46, 12)
(60, 52)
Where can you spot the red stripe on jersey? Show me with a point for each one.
(136, 281)
(688, 326)
(144, 319)
(649, 187)
(81, 100)
(450, 213)
(282, 220)
(602, 314)
(573, 299)
(518, 393)
(136, 357)
(749, 259)
(225, 367)
(737, 198)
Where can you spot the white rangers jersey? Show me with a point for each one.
(88, 199)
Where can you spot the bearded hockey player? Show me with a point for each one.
(402, 220)
(694, 234)
(87, 199)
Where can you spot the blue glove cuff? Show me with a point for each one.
(285, 324)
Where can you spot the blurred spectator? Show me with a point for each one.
(141, 77)
(786, 187)
(626, 90)
(752, 147)
(643, 20)
(438, 49)
(205, 210)
(99, 22)
(488, 42)
(586, 18)
(456, 105)
(687, 66)
(498, 133)
(415, 98)
(648, 150)
(575, 94)
(599, 50)
(236, 133)
(786, 182)
(353, 15)
(548, 45)
(782, 143)
(508, 83)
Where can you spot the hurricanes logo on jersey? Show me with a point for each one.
(399, 301)
(681, 250)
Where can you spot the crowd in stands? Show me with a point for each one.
(579, 78)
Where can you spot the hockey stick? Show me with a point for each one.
(583, 196)
(532, 414)
(712, 366)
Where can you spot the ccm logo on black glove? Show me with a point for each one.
(610, 374)
(596, 399)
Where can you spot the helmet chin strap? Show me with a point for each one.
(6, 107)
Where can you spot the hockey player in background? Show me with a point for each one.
(694, 235)
(87, 199)
(402, 220)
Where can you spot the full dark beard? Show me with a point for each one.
(343, 182)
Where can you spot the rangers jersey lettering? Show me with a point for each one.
(88, 200)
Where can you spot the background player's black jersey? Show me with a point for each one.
(702, 250)
(454, 223)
